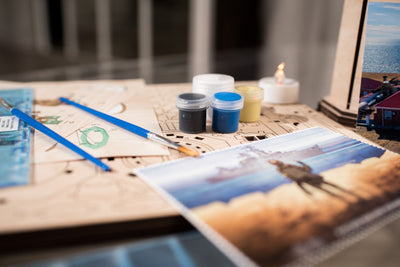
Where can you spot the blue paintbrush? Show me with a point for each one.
(133, 128)
(37, 125)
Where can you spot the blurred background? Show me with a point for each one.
(168, 41)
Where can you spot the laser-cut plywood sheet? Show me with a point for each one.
(99, 138)
(74, 192)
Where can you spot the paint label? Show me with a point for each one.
(8, 123)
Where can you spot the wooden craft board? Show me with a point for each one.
(76, 193)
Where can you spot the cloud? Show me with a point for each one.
(383, 31)
(380, 14)
(266, 226)
(391, 6)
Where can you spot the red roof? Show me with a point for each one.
(367, 83)
(392, 101)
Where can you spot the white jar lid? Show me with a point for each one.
(212, 82)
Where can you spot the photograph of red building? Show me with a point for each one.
(388, 113)
(379, 103)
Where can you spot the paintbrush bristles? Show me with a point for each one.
(189, 152)
(5, 104)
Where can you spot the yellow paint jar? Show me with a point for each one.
(253, 96)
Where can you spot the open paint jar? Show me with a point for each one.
(211, 83)
(192, 112)
(253, 97)
(226, 111)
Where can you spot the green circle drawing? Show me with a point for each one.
(95, 145)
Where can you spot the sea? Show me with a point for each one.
(191, 180)
(382, 58)
(335, 154)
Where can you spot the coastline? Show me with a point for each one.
(378, 76)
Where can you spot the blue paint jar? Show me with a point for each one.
(226, 111)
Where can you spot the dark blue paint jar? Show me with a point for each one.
(192, 112)
(226, 111)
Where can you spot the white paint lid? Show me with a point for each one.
(211, 83)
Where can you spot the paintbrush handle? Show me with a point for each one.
(47, 131)
(133, 128)
(123, 124)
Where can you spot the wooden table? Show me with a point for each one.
(73, 202)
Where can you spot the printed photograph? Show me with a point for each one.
(379, 104)
(282, 199)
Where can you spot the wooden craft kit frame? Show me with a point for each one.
(342, 102)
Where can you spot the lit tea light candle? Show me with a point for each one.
(279, 89)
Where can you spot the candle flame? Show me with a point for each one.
(280, 74)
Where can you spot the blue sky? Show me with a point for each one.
(189, 171)
(383, 23)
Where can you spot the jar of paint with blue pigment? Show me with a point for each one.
(192, 112)
(226, 111)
